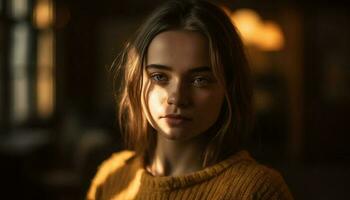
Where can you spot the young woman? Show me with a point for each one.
(184, 107)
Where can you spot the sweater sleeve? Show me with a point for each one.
(273, 188)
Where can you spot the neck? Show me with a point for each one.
(177, 157)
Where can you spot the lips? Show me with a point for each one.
(176, 120)
(176, 116)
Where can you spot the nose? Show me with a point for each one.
(178, 94)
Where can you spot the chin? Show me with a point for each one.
(176, 135)
(173, 136)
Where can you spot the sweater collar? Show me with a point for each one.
(173, 182)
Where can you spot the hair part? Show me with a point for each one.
(229, 65)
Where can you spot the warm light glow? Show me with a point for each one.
(248, 23)
(265, 35)
(45, 81)
(270, 37)
(43, 14)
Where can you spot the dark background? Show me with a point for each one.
(302, 96)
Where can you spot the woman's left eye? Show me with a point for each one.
(200, 82)
(158, 77)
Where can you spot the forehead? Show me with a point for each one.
(179, 49)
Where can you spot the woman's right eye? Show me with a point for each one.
(157, 77)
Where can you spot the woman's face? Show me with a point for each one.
(183, 97)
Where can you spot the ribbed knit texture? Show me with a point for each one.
(122, 177)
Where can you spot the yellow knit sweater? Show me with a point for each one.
(122, 177)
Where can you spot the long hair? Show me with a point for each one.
(229, 65)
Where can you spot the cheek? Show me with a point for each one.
(156, 100)
(210, 100)
(209, 104)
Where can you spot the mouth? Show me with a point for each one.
(176, 116)
(176, 119)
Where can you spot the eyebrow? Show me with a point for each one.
(167, 68)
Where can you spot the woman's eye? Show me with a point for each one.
(158, 77)
(200, 82)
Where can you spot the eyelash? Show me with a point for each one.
(162, 79)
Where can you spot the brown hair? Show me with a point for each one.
(229, 66)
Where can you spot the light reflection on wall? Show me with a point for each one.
(18, 8)
(43, 19)
(31, 67)
(19, 58)
(45, 80)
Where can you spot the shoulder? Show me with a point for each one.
(257, 180)
(107, 169)
(115, 161)
(271, 184)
